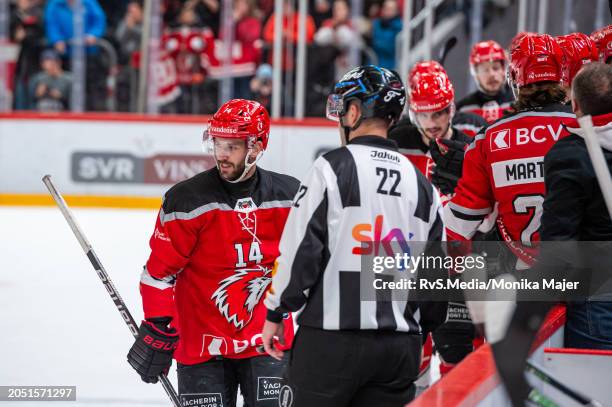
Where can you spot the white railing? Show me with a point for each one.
(406, 56)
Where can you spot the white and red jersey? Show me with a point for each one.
(163, 75)
(185, 45)
(246, 51)
(505, 165)
(211, 260)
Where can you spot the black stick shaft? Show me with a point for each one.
(103, 275)
(446, 48)
(547, 378)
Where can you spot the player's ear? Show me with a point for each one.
(575, 107)
(352, 114)
(257, 148)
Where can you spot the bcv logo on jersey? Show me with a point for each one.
(371, 237)
(506, 138)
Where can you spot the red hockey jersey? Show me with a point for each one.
(212, 253)
(505, 165)
(490, 108)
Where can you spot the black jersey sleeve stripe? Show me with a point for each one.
(343, 164)
(350, 303)
(385, 318)
(465, 216)
(310, 260)
(437, 229)
(425, 191)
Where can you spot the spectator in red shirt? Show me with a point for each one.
(290, 30)
(248, 35)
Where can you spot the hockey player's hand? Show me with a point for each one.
(448, 156)
(268, 334)
(151, 354)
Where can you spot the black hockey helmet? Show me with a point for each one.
(380, 91)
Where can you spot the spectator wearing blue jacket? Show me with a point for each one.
(59, 30)
(59, 26)
(384, 32)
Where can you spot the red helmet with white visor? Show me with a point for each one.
(486, 51)
(238, 119)
(431, 92)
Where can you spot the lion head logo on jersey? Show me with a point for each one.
(239, 294)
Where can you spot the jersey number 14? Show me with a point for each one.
(254, 254)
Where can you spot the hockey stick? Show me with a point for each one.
(106, 281)
(573, 394)
(446, 48)
(597, 159)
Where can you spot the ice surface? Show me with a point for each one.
(60, 326)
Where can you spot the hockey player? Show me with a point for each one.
(504, 164)
(429, 132)
(574, 210)
(488, 68)
(350, 351)
(468, 123)
(436, 148)
(578, 50)
(212, 251)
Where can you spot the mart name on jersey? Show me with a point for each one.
(518, 172)
(506, 138)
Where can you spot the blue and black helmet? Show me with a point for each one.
(380, 91)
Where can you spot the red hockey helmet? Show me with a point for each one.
(517, 39)
(240, 118)
(535, 58)
(424, 67)
(486, 51)
(603, 40)
(432, 92)
(578, 49)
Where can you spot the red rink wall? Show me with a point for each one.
(474, 382)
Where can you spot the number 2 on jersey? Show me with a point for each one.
(254, 254)
(524, 204)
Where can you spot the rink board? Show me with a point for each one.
(126, 160)
(474, 381)
(586, 369)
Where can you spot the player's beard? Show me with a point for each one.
(440, 132)
(433, 133)
(493, 86)
(233, 173)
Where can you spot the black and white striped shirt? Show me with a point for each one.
(350, 195)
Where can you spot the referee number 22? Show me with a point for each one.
(389, 180)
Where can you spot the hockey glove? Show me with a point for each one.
(151, 354)
(448, 156)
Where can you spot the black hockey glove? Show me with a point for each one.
(151, 354)
(448, 156)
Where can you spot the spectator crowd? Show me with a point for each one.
(191, 59)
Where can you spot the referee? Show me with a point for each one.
(348, 351)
